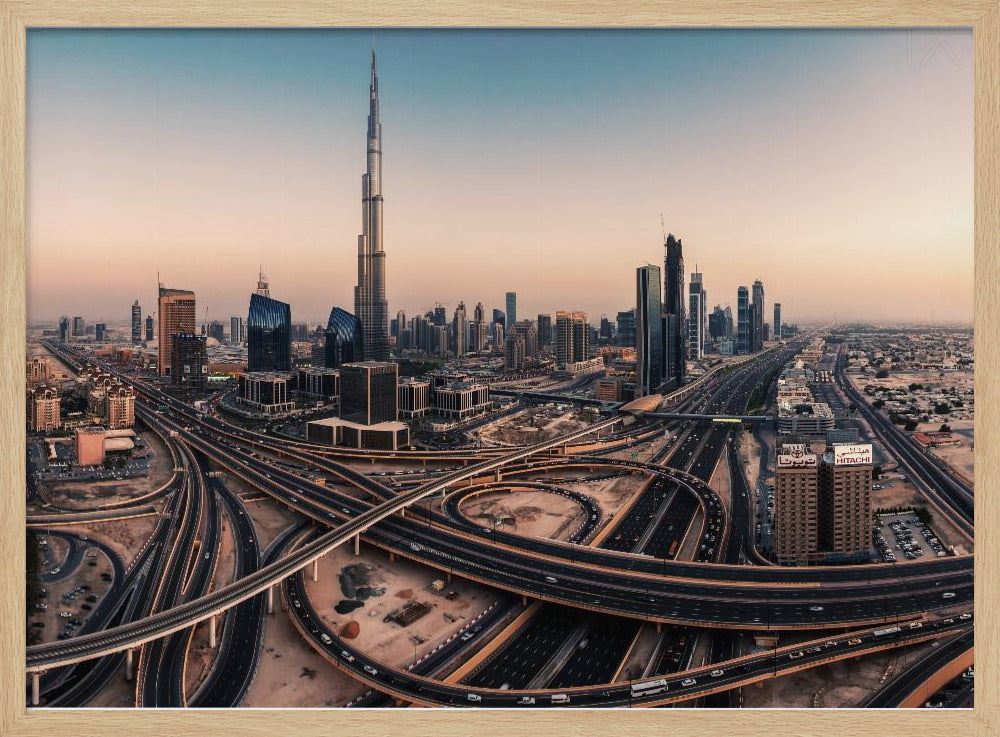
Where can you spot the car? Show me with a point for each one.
(717, 672)
(473, 697)
(347, 656)
(831, 643)
(325, 638)
(950, 620)
(54, 571)
(415, 547)
(689, 682)
(65, 615)
(854, 641)
(815, 608)
(526, 701)
(296, 603)
(552, 579)
(814, 649)
(948, 595)
(965, 616)
(797, 654)
(916, 625)
(41, 607)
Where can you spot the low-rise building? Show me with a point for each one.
(264, 392)
(380, 436)
(413, 397)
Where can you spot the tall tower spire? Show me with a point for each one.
(370, 306)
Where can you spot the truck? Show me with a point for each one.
(885, 631)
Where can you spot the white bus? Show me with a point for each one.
(649, 688)
(886, 631)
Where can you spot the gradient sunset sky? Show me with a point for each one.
(836, 166)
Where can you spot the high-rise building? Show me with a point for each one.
(758, 303)
(217, 330)
(370, 304)
(149, 328)
(498, 336)
(38, 371)
(796, 505)
(572, 337)
(79, 327)
(188, 361)
(752, 326)
(845, 506)
(743, 320)
(499, 316)
(136, 323)
(400, 324)
(527, 330)
(343, 339)
(673, 308)
(269, 331)
(511, 316)
(237, 330)
(176, 309)
(100, 330)
(460, 331)
(368, 393)
(776, 332)
(717, 324)
(440, 316)
(648, 331)
(513, 351)
(626, 328)
(63, 329)
(545, 330)
(43, 409)
(696, 318)
(413, 397)
(607, 331)
(119, 407)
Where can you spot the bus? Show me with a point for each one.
(673, 549)
(649, 688)
(886, 631)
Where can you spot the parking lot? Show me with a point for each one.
(902, 538)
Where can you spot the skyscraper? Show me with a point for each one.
(673, 307)
(149, 328)
(545, 329)
(460, 331)
(99, 330)
(188, 360)
(79, 326)
(511, 317)
(343, 339)
(776, 331)
(136, 323)
(177, 315)
(743, 320)
(758, 303)
(63, 329)
(269, 331)
(626, 328)
(237, 333)
(696, 318)
(370, 306)
(368, 393)
(648, 331)
(498, 316)
(572, 339)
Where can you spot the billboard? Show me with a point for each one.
(797, 459)
(852, 454)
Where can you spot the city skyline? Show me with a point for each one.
(105, 181)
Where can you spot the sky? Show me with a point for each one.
(834, 165)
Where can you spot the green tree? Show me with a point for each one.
(910, 426)
(882, 374)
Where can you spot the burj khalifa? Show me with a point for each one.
(370, 306)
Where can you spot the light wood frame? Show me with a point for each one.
(18, 15)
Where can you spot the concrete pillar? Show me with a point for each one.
(499, 476)
(357, 544)
(316, 570)
(128, 664)
(659, 626)
(211, 631)
(524, 600)
(392, 557)
(270, 599)
(34, 688)
(448, 579)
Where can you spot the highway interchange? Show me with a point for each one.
(632, 573)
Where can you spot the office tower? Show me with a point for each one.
(370, 304)
(743, 320)
(413, 397)
(63, 329)
(776, 333)
(149, 329)
(572, 337)
(99, 331)
(626, 328)
(300, 332)
(498, 316)
(236, 330)
(460, 331)
(176, 309)
(511, 316)
(796, 505)
(439, 340)
(368, 393)
(545, 330)
(767, 332)
(607, 330)
(514, 352)
(752, 337)
(729, 322)
(343, 339)
(188, 360)
(400, 324)
(79, 327)
(648, 331)
(119, 407)
(217, 330)
(478, 329)
(136, 323)
(440, 317)
(845, 506)
(673, 307)
(43, 409)
(269, 331)
(758, 303)
(717, 324)
(479, 314)
(696, 318)
(498, 336)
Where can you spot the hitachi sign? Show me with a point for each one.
(852, 454)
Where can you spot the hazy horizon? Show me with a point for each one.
(835, 166)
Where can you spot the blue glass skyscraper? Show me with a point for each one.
(344, 340)
(269, 332)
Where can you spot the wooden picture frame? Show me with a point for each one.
(16, 16)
